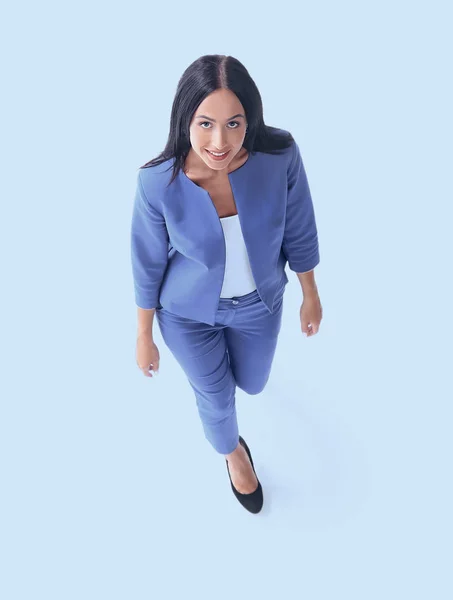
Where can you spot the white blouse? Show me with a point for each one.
(238, 279)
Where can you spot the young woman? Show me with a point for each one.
(216, 217)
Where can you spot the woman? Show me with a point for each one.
(217, 215)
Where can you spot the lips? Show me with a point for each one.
(222, 157)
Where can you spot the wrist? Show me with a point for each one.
(145, 333)
(310, 292)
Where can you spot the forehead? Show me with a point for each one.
(222, 103)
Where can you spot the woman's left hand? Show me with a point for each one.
(310, 313)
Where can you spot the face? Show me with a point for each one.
(218, 125)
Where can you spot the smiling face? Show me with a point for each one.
(218, 125)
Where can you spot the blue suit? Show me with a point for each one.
(177, 242)
(178, 261)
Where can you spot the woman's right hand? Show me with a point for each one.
(147, 354)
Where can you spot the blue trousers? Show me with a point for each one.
(237, 351)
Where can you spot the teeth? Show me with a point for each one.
(216, 154)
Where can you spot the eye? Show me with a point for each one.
(208, 122)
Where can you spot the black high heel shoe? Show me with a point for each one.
(253, 502)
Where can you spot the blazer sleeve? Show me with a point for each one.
(300, 238)
(149, 249)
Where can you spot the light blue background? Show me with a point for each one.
(109, 492)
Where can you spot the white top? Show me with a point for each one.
(238, 279)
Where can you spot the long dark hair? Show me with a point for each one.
(205, 75)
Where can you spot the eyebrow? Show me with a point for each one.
(209, 119)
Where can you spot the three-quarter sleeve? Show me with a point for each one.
(300, 239)
(149, 249)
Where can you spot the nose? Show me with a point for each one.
(219, 140)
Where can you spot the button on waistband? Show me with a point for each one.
(235, 302)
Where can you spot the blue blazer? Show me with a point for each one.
(177, 243)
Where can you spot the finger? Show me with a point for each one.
(154, 368)
(147, 371)
(309, 329)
